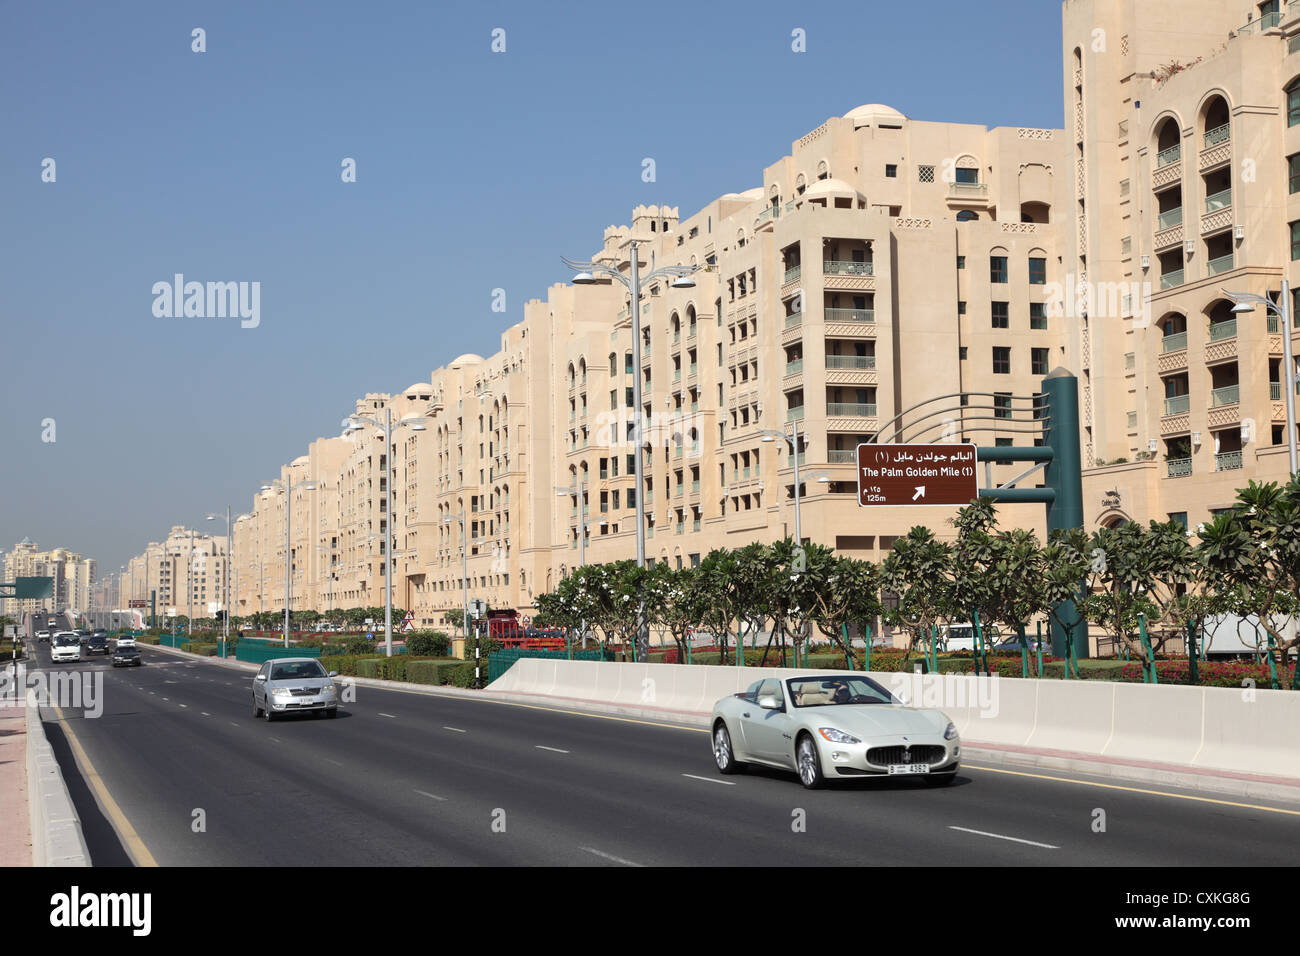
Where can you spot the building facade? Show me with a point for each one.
(184, 574)
(74, 578)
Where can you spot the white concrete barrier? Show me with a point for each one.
(1207, 727)
(57, 839)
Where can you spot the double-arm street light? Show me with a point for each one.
(1246, 302)
(587, 274)
(288, 489)
(355, 423)
(464, 575)
(770, 435)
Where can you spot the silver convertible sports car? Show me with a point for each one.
(835, 726)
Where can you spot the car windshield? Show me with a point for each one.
(64, 641)
(839, 689)
(297, 670)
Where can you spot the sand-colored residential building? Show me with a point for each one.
(184, 573)
(74, 578)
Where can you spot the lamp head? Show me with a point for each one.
(683, 282)
(584, 278)
(1242, 307)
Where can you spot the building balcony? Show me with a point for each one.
(1179, 467)
(1275, 391)
(850, 410)
(1171, 280)
(1220, 200)
(1222, 264)
(1213, 137)
(1228, 395)
(1228, 461)
(849, 315)
(1223, 330)
(842, 456)
(839, 267)
(1169, 218)
(968, 192)
(794, 414)
(1174, 343)
(792, 274)
(1169, 156)
(860, 363)
(1178, 405)
(794, 320)
(794, 368)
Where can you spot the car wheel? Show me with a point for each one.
(723, 753)
(267, 710)
(257, 711)
(809, 763)
(941, 779)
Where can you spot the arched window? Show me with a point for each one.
(967, 215)
(1293, 103)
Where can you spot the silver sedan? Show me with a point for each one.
(290, 685)
(836, 726)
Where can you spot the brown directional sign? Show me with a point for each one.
(916, 475)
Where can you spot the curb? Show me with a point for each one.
(57, 839)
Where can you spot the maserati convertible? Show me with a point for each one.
(828, 727)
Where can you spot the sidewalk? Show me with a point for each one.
(15, 808)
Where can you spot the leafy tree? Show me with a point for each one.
(753, 574)
(919, 570)
(716, 581)
(675, 601)
(797, 574)
(849, 594)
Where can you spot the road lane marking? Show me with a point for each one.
(184, 705)
(134, 845)
(608, 856)
(336, 763)
(999, 836)
(552, 749)
(1153, 793)
(456, 730)
(431, 796)
(205, 713)
(382, 714)
(725, 783)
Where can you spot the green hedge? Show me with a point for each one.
(201, 648)
(435, 672)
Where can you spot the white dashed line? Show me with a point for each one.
(725, 783)
(556, 750)
(607, 856)
(382, 714)
(431, 796)
(205, 713)
(455, 730)
(184, 705)
(336, 763)
(999, 836)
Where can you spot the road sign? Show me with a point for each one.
(916, 475)
(137, 602)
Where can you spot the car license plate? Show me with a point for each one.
(909, 768)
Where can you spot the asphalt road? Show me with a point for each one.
(411, 779)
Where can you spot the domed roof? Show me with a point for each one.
(873, 114)
(833, 187)
(755, 193)
(417, 388)
(469, 358)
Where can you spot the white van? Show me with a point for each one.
(65, 646)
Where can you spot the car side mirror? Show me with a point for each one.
(334, 673)
(768, 702)
(260, 677)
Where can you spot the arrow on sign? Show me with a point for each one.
(920, 492)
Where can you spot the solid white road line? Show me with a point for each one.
(607, 856)
(999, 836)
(725, 783)
(552, 749)
(431, 796)
(455, 730)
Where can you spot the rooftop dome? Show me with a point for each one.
(469, 358)
(873, 114)
(833, 188)
(748, 194)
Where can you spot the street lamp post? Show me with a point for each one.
(1246, 302)
(225, 581)
(464, 579)
(770, 435)
(355, 423)
(289, 489)
(587, 273)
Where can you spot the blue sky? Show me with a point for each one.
(475, 171)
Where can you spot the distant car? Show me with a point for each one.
(833, 726)
(125, 640)
(83, 635)
(98, 644)
(43, 637)
(1012, 646)
(126, 656)
(65, 646)
(290, 685)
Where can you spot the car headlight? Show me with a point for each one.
(951, 732)
(327, 690)
(281, 692)
(837, 736)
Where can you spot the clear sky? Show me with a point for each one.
(475, 170)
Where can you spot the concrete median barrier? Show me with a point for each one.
(1078, 716)
(1250, 731)
(57, 839)
(1157, 722)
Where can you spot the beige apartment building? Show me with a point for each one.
(1184, 134)
(184, 571)
(883, 262)
(74, 578)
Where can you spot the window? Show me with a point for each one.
(997, 268)
(627, 362)
(1293, 172)
(961, 353)
(1179, 518)
(967, 215)
(1037, 271)
(1038, 361)
(961, 306)
(925, 174)
(1001, 360)
(1293, 104)
(1001, 315)
(1002, 442)
(1002, 405)
(968, 176)
(891, 171)
(1037, 315)
(1295, 240)
(961, 262)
